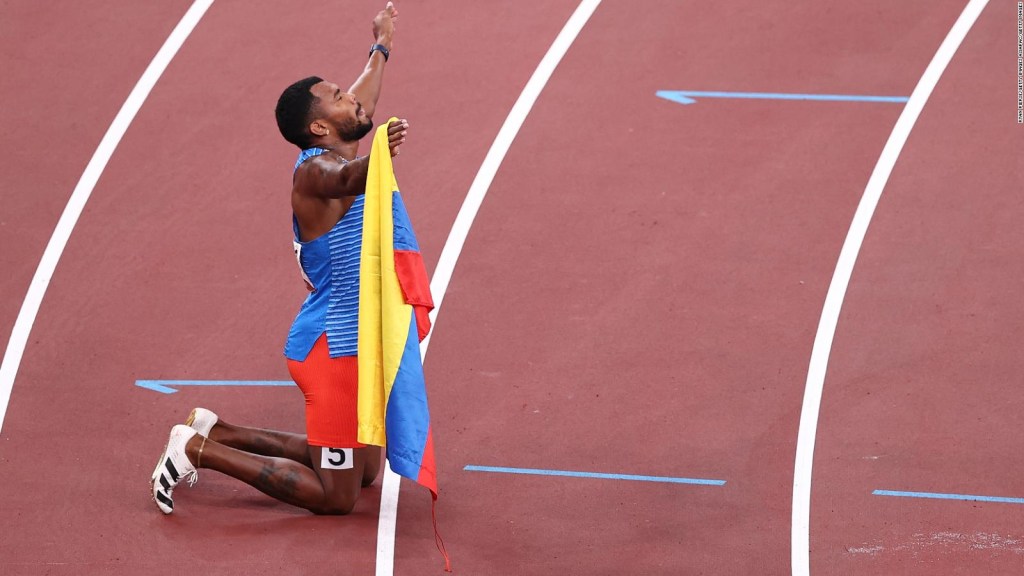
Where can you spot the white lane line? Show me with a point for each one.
(75, 205)
(457, 238)
(801, 521)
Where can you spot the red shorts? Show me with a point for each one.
(331, 388)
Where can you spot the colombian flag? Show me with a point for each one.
(394, 300)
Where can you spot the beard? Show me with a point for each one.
(356, 131)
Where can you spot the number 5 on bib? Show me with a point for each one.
(336, 458)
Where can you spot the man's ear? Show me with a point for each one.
(318, 128)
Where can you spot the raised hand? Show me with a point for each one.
(384, 25)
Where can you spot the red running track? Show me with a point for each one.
(925, 375)
(638, 295)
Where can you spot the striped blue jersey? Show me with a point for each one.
(330, 264)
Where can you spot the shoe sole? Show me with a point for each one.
(156, 473)
(159, 463)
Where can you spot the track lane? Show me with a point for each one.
(624, 264)
(180, 268)
(922, 392)
(202, 291)
(56, 109)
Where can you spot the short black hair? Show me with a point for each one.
(293, 112)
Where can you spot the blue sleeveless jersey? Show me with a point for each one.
(330, 264)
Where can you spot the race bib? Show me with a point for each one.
(336, 458)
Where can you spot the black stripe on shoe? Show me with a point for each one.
(163, 482)
(166, 501)
(170, 468)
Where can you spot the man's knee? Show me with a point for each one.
(340, 496)
(336, 507)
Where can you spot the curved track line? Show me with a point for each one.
(457, 238)
(76, 203)
(801, 521)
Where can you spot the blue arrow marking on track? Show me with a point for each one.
(164, 386)
(690, 96)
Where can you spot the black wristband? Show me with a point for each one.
(382, 49)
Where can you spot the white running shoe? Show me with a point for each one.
(173, 467)
(202, 421)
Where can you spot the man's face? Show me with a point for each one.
(341, 111)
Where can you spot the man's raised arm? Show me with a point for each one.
(367, 86)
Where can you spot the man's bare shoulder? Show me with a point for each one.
(312, 175)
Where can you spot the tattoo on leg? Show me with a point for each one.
(265, 479)
(288, 483)
(279, 482)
